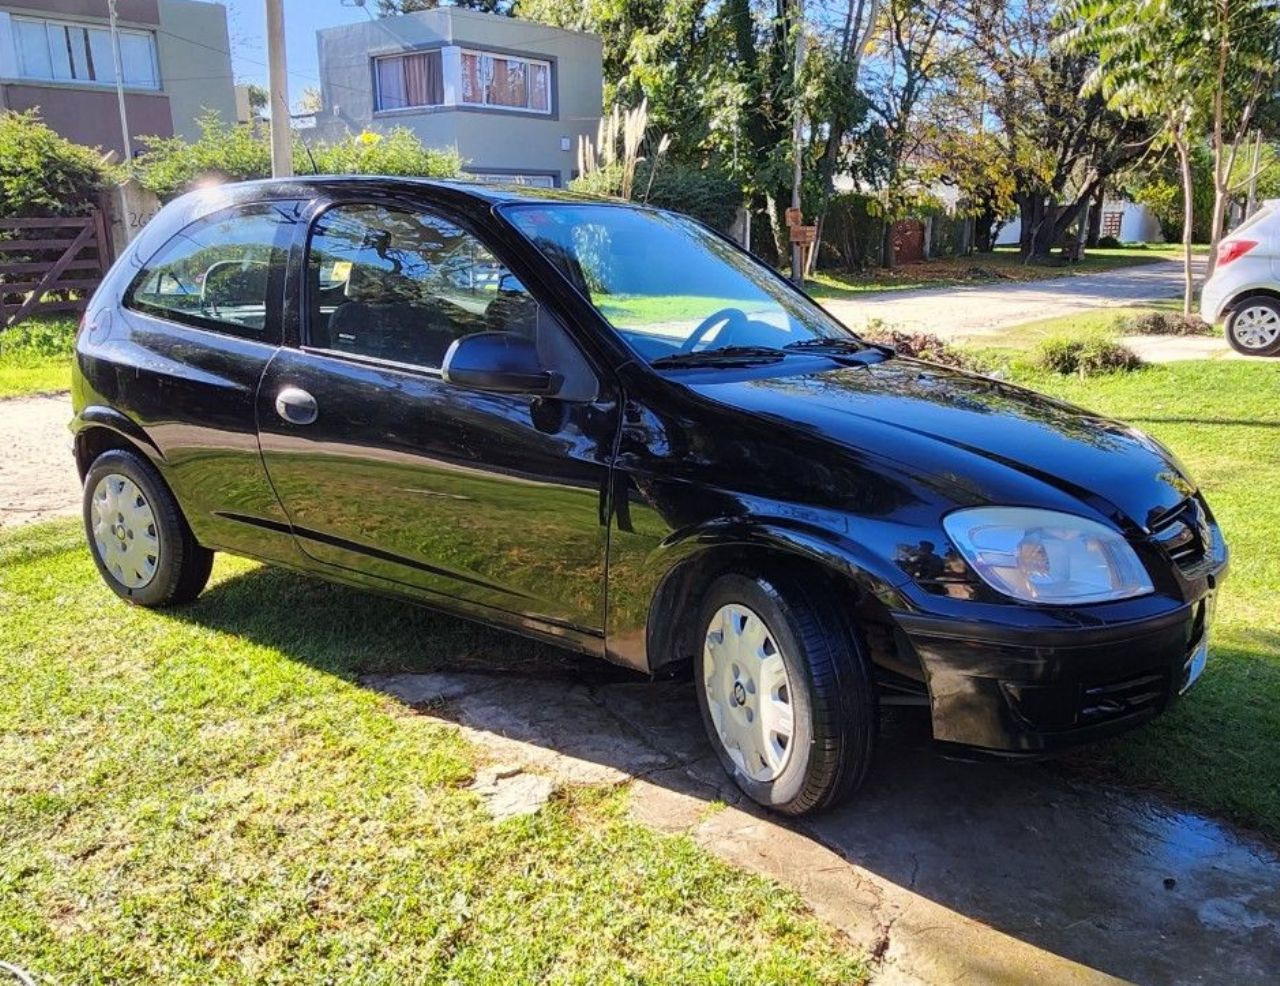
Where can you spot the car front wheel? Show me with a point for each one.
(1253, 327)
(785, 692)
(140, 541)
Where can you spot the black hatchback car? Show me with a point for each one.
(607, 426)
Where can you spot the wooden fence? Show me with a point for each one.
(51, 264)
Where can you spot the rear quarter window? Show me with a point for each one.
(224, 273)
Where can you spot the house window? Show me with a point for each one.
(409, 80)
(63, 52)
(506, 82)
(1111, 223)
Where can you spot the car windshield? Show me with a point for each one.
(669, 286)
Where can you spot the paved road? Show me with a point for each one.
(981, 309)
(37, 473)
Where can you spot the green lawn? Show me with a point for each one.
(35, 357)
(1219, 748)
(206, 795)
(1003, 264)
(1096, 323)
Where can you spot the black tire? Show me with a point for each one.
(832, 697)
(181, 566)
(1253, 303)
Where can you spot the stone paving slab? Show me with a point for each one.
(942, 870)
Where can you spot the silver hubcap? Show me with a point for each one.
(124, 531)
(1256, 327)
(748, 692)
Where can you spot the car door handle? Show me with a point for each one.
(296, 406)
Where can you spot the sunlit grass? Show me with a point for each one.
(208, 795)
(1219, 748)
(35, 357)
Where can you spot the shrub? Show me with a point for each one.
(1108, 242)
(170, 166)
(37, 341)
(706, 194)
(1084, 357)
(854, 230)
(1161, 324)
(398, 152)
(921, 345)
(42, 173)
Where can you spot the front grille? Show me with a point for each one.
(1184, 534)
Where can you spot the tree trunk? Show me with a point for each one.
(1095, 216)
(1188, 220)
(888, 256)
(1216, 220)
(1039, 228)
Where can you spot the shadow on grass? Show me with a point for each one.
(1081, 869)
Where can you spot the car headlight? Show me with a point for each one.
(1043, 556)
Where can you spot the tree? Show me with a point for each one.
(1059, 147)
(1190, 64)
(310, 101)
(1244, 41)
(960, 148)
(905, 65)
(843, 101)
(259, 98)
(1140, 66)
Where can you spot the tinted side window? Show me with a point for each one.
(224, 272)
(402, 285)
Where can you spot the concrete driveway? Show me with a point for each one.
(946, 871)
(970, 311)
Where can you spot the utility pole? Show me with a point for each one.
(115, 52)
(797, 149)
(278, 84)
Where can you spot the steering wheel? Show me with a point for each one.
(729, 317)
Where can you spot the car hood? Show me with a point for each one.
(988, 441)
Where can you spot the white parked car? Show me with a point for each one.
(1245, 285)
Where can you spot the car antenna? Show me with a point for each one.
(315, 168)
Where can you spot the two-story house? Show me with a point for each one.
(58, 55)
(512, 96)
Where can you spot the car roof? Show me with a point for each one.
(481, 192)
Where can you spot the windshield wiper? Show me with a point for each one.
(722, 356)
(844, 349)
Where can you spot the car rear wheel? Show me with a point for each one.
(1253, 327)
(785, 692)
(140, 541)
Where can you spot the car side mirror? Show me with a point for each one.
(500, 362)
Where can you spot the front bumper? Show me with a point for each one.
(1015, 689)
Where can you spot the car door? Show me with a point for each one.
(201, 320)
(495, 501)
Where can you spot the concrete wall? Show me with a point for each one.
(92, 116)
(489, 140)
(1137, 225)
(135, 11)
(195, 64)
(194, 61)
